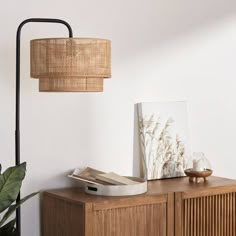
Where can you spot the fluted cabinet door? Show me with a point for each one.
(74, 213)
(210, 213)
(148, 217)
(172, 207)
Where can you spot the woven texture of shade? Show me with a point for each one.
(70, 64)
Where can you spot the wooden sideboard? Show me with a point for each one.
(172, 207)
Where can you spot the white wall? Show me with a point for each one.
(162, 50)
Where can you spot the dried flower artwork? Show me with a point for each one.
(163, 138)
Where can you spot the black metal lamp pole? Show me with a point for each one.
(17, 131)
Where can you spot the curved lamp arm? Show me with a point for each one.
(17, 131)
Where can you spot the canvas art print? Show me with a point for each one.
(163, 134)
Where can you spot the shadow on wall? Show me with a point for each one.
(139, 168)
(168, 20)
(150, 25)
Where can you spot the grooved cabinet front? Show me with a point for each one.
(172, 207)
(130, 221)
(70, 212)
(209, 215)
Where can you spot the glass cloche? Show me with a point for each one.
(198, 167)
(198, 162)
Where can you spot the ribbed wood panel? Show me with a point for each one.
(146, 220)
(62, 218)
(210, 215)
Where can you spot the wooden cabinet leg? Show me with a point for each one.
(191, 179)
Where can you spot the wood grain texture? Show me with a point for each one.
(178, 214)
(131, 221)
(61, 218)
(155, 187)
(131, 216)
(170, 214)
(89, 220)
(127, 202)
(172, 207)
(208, 215)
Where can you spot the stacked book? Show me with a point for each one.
(97, 177)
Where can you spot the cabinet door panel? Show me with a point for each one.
(61, 218)
(141, 220)
(212, 215)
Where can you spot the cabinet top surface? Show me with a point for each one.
(155, 187)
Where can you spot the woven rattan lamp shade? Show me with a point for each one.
(70, 64)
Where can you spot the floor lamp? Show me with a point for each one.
(62, 65)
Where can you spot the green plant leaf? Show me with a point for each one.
(9, 229)
(0, 168)
(10, 225)
(10, 184)
(12, 208)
